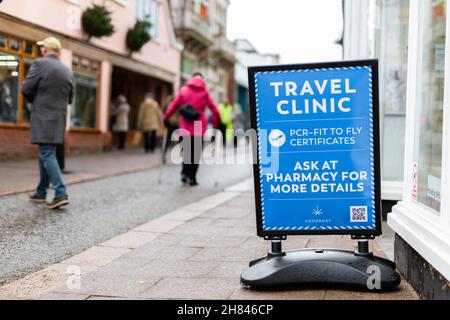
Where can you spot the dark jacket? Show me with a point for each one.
(49, 87)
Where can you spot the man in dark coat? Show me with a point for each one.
(49, 87)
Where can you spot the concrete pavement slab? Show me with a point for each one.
(178, 268)
(192, 288)
(403, 292)
(160, 225)
(211, 202)
(229, 212)
(99, 283)
(130, 240)
(231, 270)
(183, 215)
(305, 294)
(96, 256)
(229, 254)
(64, 296)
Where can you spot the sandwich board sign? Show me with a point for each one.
(317, 169)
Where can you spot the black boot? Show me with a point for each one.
(193, 182)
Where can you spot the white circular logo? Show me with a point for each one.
(277, 138)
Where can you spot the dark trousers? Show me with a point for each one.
(223, 130)
(191, 156)
(149, 140)
(166, 144)
(60, 156)
(122, 138)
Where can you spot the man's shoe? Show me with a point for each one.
(193, 183)
(57, 203)
(184, 178)
(36, 199)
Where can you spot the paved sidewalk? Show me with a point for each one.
(195, 252)
(23, 175)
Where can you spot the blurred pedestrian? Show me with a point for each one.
(192, 101)
(122, 124)
(171, 125)
(149, 121)
(238, 122)
(226, 114)
(49, 87)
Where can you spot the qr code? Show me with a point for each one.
(358, 214)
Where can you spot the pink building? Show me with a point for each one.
(103, 67)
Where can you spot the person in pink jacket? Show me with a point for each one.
(194, 94)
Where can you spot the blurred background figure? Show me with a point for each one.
(122, 123)
(171, 126)
(149, 121)
(226, 114)
(196, 97)
(238, 122)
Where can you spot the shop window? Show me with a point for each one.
(85, 63)
(84, 106)
(3, 41)
(430, 104)
(188, 66)
(13, 107)
(394, 55)
(75, 61)
(14, 44)
(9, 88)
(95, 66)
(392, 50)
(29, 47)
(86, 86)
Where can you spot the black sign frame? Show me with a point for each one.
(357, 233)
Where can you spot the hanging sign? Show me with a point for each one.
(318, 148)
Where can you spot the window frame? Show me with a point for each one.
(22, 57)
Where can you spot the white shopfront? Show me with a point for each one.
(409, 38)
(422, 219)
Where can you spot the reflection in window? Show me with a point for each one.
(85, 63)
(393, 54)
(14, 44)
(431, 96)
(75, 60)
(84, 107)
(94, 66)
(9, 88)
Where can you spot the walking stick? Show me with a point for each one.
(163, 156)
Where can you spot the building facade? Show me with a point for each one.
(247, 56)
(410, 40)
(201, 25)
(103, 68)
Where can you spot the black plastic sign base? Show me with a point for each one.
(321, 267)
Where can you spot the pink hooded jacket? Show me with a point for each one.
(195, 94)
